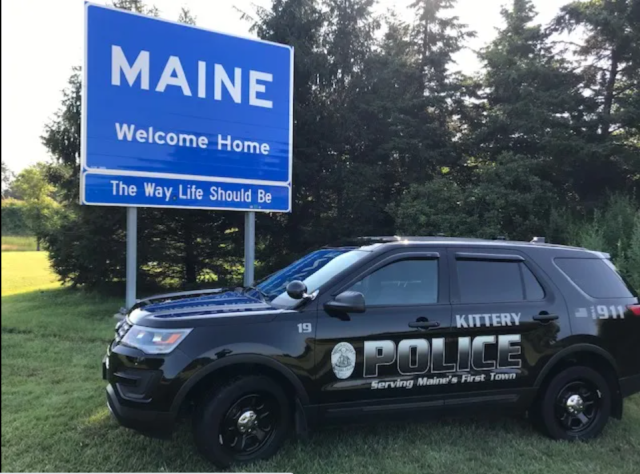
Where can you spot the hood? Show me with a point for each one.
(210, 304)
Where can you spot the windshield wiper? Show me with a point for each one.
(263, 296)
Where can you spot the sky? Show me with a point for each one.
(43, 39)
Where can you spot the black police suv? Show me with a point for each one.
(387, 326)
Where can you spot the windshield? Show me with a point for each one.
(313, 269)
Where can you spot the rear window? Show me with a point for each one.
(596, 277)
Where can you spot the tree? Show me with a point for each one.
(7, 177)
(435, 208)
(530, 94)
(633, 256)
(437, 37)
(612, 29)
(533, 106)
(506, 199)
(610, 71)
(138, 6)
(31, 186)
(186, 17)
(517, 141)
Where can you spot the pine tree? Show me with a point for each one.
(610, 70)
(530, 93)
(611, 50)
(438, 35)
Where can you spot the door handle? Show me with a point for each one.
(424, 323)
(545, 317)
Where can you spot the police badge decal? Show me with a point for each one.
(343, 360)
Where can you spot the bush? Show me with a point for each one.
(14, 218)
(176, 248)
(434, 208)
(632, 261)
(615, 229)
(506, 198)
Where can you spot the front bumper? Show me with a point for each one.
(150, 423)
(141, 388)
(630, 385)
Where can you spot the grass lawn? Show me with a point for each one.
(26, 271)
(17, 243)
(55, 419)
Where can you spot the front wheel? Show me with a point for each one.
(575, 405)
(245, 420)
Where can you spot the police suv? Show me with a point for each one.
(385, 326)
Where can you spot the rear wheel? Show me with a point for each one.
(245, 420)
(575, 405)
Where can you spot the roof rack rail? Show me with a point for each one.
(538, 240)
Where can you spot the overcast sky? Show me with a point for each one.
(43, 39)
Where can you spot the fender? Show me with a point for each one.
(241, 359)
(571, 350)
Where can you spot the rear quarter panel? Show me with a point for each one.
(606, 323)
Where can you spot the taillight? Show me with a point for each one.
(635, 309)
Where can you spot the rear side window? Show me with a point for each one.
(487, 281)
(594, 276)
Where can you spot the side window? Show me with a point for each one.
(406, 282)
(487, 281)
(595, 276)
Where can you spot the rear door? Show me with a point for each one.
(507, 316)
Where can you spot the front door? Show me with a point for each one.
(399, 347)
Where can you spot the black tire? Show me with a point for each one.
(215, 418)
(556, 416)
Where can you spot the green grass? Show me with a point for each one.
(17, 243)
(26, 271)
(55, 419)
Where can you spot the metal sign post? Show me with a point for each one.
(249, 247)
(183, 117)
(132, 249)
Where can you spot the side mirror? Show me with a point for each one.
(347, 302)
(296, 290)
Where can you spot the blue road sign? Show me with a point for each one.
(178, 116)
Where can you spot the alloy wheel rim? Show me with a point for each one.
(249, 424)
(577, 406)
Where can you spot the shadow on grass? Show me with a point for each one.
(482, 444)
(59, 296)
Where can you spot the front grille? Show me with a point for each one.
(121, 329)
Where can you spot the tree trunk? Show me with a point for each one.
(190, 272)
(608, 93)
(37, 244)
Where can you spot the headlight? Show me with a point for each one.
(154, 341)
